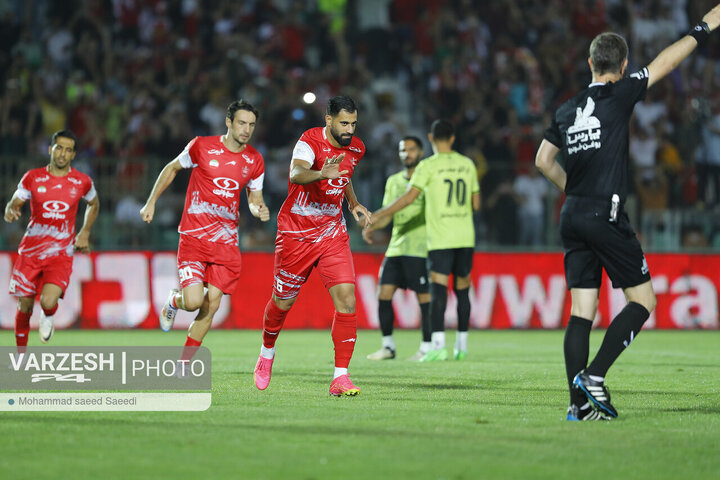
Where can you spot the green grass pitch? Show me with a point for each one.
(499, 414)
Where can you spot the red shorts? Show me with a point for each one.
(200, 261)
(30, 274)
(295, 260)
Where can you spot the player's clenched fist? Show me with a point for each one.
(147, 212)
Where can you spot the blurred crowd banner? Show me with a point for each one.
(509, 290)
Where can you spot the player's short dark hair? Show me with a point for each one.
(442, 129)
(415, 139)
(64, 133)
(240, 105)
(608, 51)
(341, 102)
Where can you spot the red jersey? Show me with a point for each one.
(313, 212)
(53, 207)
(213, 195)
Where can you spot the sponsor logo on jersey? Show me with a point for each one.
(338, 185)
(248, 159)
(55, 209)
(214, 163)
(43, 179)
(75, 180)
(584, 133)
(355, 149)
(641, 74)
(42, 189)
(215, 151)
(226, 186)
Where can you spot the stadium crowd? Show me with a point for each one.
(137, 80)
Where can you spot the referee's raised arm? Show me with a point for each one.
(671, 57)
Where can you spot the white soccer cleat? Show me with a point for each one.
(46, 327)
(385, 353)
(168, 312)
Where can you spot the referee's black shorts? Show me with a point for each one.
(592, 242)
(457, 261)
(405, 272)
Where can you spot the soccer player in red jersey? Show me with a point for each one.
(312, 234)
(208, 255)
(45, 254)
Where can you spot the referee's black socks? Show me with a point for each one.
(621, 332)
(576, 347)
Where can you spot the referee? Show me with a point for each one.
(591, 132)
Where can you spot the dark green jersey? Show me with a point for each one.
(409, 237)
(448, 181)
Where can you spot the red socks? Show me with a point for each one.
(22, 328)
(50, 312)
(272, 323)
(191, 346)
(344, 334)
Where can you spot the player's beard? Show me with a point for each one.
(411, 164)
(342, 140)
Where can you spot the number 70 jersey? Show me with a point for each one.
(448, 181)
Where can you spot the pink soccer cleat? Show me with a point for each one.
(262, 373)
(343, 386)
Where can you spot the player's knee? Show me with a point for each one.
(47, 302)
(283, 303)
(192, 302)
(25, 306)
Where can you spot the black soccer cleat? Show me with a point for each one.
(596, 392)
(585, 413)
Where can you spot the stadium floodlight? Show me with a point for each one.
(309, 98)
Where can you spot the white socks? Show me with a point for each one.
(388, 342)
(438, 340)
(339, 372)
(268, 353)
(461, 341)
(425, 347)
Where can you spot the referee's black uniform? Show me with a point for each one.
(592, 130)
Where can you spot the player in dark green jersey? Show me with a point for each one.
(405, 263)
(450, 185)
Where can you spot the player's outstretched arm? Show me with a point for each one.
(12, 209)
(671, 57)
(147, 212)
(301, 174)
(82, 239)
(546, 163)
(385, 214)
(257, 206)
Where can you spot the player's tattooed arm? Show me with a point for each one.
(12, 209)
(301, 173)
(257, 206)
(147, 212)
(82, 239)
(548, 166)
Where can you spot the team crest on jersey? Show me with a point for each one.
(42, 189)
(584, 134)
(214, 163)
(248, 159)
(245, 171)
(73, 192)
(355, 149)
